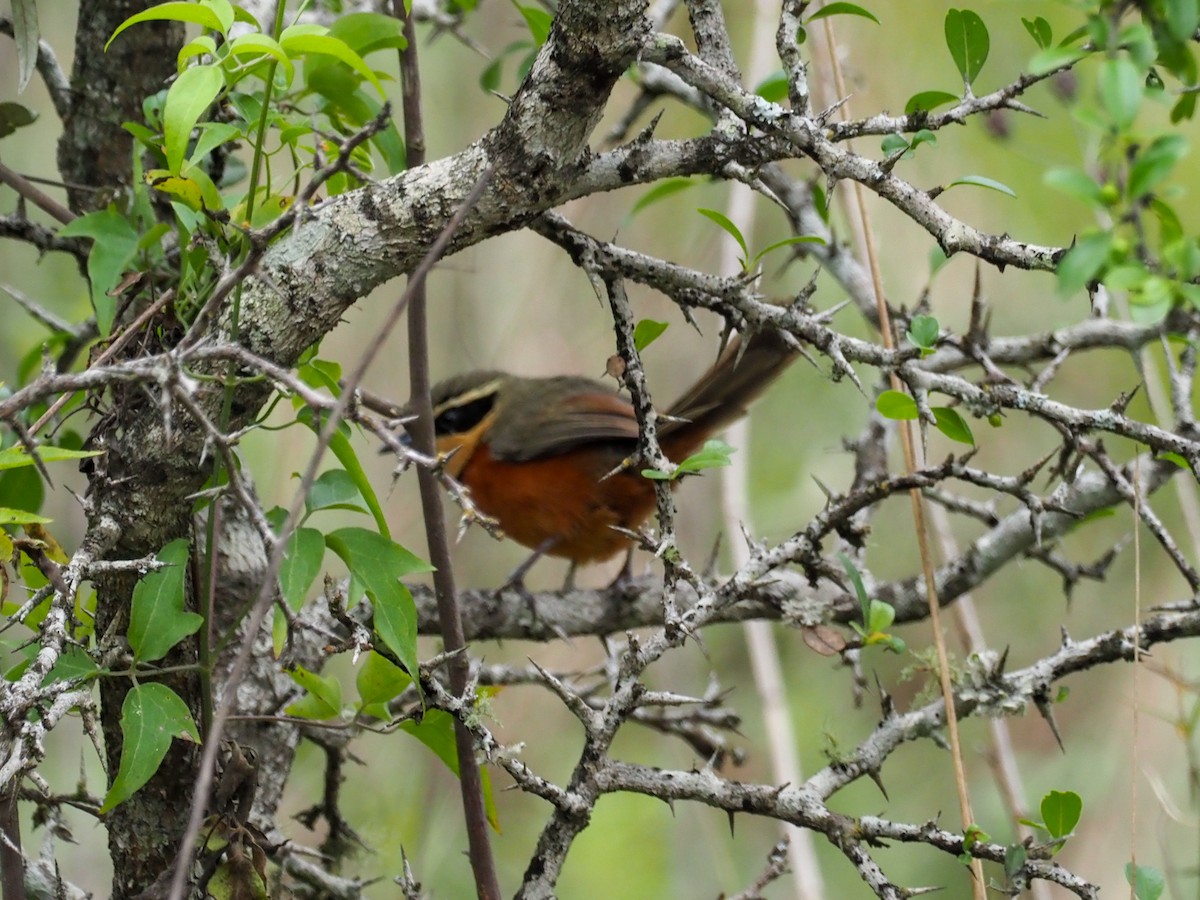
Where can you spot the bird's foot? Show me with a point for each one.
(516, 584)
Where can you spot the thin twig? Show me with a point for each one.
(978, 885)
(483, 865)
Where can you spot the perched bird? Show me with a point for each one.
(538, 454)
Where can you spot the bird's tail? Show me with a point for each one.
(725, 392)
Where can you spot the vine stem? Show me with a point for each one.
(483, 866)
(867, 236)
(1137, 671)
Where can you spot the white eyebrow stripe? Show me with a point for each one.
(469, 397)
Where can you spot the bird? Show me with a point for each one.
(549, 458)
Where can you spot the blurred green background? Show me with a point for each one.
(517, 303)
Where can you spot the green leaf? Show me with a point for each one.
(723, 220)
(22, 488)
(367, 32)
(1182, 18)
(323, 697)
(19, 517)
(774, 87)
(1054, 58)
(1152, 300)
(655, 475)
(1074, 182)
(1015, 856)
(953, 425)
(151, 716)
(880, 617)
(1168, 219)
(927, 101)
(436, 731)
(897, 405)
(334, 489)
(1060, 812)
(712, 455)
(968, 41)
(842, 9)
(379, 563)
(973, 835)
(115, 243)
(1155, 163)
(179, 188)
(984, 182)
(1185, 108)
(322, 373)
(363, 33)
(1184, 259)
(1138, 41)
(1083, 262)
(213, 135)
(646, 332)
(924, 331)
(786, 242)
(301, 564)
(1039, 30)
(187, 100)
(379, 683)
(1147, 882)
(343, 450)
(300, 40)
(860, 590)
(937, 260)
(1126, 278)
(25, 36)
(1174, 458)
(923, 136)
(200, 45)
(14, 116)
(158, 617)
(660, 191)
(538, 21)
(893, 142)
(17, 456)
(74, 664)
(1121, 88)
(199, 14)
(257, 44)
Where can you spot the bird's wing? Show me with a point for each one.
(568, 413)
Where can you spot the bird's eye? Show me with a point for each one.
(457, 419)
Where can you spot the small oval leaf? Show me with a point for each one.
(842, 9)
(1061, 811)
(984, 182)
(968, 42)
(151, 715)
(953, 425)
(187, 100)
(927, 101)
(897, 405)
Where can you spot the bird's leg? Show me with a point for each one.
(625, 576)
(569, 581)
(516, 582)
